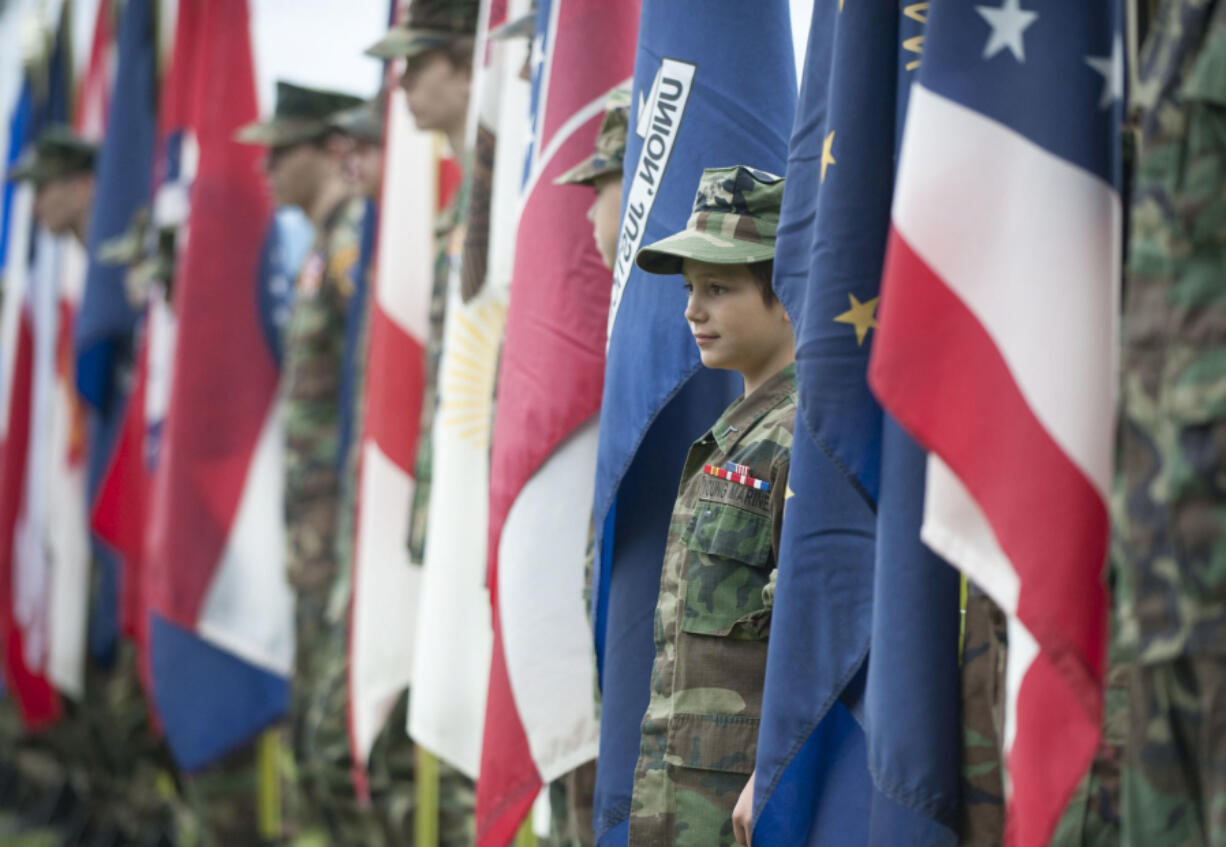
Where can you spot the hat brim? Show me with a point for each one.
(666, 255)
(588, 171)
(401, 43)
(279, 132)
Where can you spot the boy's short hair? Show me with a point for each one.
(762, 273)
(733, 222)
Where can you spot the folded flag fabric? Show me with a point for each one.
(1004, 206)
(221, 632)
(540, 719)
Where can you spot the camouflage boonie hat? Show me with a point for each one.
(302, 114)
(610, 144)
(365, 122)
(429, 25)
(58, 152)
(736, 214)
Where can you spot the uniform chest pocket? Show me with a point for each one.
(728, 566)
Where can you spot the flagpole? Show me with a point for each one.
(425, 817)
(269, 787)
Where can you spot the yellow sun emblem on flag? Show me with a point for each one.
(470, 368)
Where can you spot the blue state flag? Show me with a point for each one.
(714, 85)
(853, 577)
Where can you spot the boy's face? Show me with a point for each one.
(60, 203)
(437, 91)
(734, 327)
(365, 163)
(295, 172)
(604, 216)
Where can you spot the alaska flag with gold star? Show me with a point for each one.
(856, 589)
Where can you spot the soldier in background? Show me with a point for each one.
(435, 42)
(61, 168)
(572, 797)
(1171, 504)
(306, 168)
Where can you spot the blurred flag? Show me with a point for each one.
(540, 719)
(221, 633)
(714, 85)
(121, 511)
(93, 102)
(107, 320)
(1006, 205)
(851, 533)
(385, 583)
(450, 680)
(44, 560)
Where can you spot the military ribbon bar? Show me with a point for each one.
(738, 478)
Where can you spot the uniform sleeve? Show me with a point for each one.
(779, 488)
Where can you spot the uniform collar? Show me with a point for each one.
(747, 411)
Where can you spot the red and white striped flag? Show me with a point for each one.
(386, 585)
(997, 351)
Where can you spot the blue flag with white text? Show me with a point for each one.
(856, 589)
(714, 85)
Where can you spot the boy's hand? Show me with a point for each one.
(742, 813)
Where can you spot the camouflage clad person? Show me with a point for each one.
(306, 168)
(700, 732)
(1171, 513)
(571, 797)
(435, 42)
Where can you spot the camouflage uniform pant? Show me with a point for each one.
(1175, 783)
(571, 800)
(325, 764)
(131, 777)
(225, 800)
(1092, 817)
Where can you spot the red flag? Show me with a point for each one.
(94, 96)
(210, 444)
(539, 722)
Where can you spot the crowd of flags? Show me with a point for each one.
(948, 255)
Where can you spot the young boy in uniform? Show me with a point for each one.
(699, 735)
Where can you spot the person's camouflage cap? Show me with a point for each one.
(735, 217)
(610, 144)
(58, 152)
(365, 122)
(429, 25)
(301, 114)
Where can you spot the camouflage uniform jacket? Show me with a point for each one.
(1172, 512)
(311, 383)
(700, 732)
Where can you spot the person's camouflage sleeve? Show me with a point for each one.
(1174, 341)
(311, 389)
(1172, 513)
(984, 649)
(700, 732)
